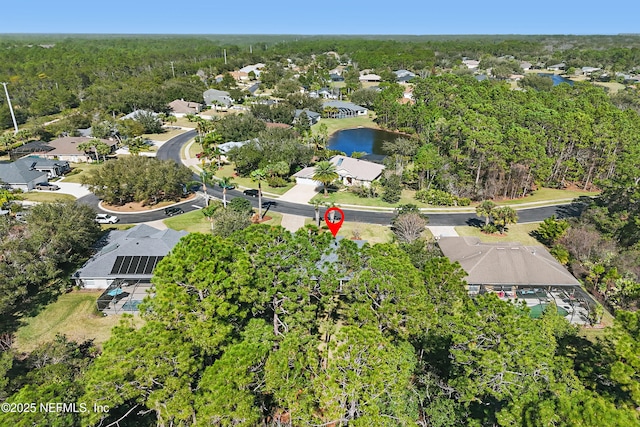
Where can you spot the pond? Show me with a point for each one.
(557, 79)
(367, 140)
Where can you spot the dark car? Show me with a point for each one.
(252, 193)
(46, 186)
(268, 204)
(171, 211)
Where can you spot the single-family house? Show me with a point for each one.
(336, 77)
(527, 275)
(181, 108)
(404, 76)
(127, 255)
(53, 168)
(557, 67)
(19, 176)
(587, 71)
(124, 265)
(66, 148)
(312, 116)
(350, 171)
(136, 113)
(525, 65)
(471, 64)
(217, 98)
(503, 266)
(325, 93)
(342, 109)
(255, 68)
(370, 78)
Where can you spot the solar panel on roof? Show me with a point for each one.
(125, 265)
(128, 265)
(117, 265)
(133, 268)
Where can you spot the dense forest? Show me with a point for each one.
(119, 74)
(496, 142)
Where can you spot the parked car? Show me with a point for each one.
(173, 210)
(106, 219)
(47, 186)
(268, 204)
(252, 193)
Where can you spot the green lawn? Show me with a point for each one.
(229, 170)
(372, 233)
(106, 227)
(74, 315)
(594, 334)
(334, 125)
(82, 168)
(542, 196)
(195, 221)
(548, 195)
(164, 136)
(182, 121)
(194, 149)
(50, 197)
(516, 233)
(192, 222)
(348, 198)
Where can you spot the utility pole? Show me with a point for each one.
(173, 70)
(13, 116)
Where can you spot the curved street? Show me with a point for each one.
(171, 150)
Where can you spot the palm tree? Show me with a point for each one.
(259, 175)
(316, 206)
(325, 172)
(225, 182)
(503, 216)
(485, 209)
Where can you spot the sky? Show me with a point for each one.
(411, 17)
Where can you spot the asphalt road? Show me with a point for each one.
(171, 150)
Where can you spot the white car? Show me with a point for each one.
(106, 219)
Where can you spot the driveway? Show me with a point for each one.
(300, 193)
(76, 190)
(442, 231)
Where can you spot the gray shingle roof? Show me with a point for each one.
(505, 263)
(141, 240)
(19, 173)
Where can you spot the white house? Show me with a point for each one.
(370, 78)
(351, 172)
(471, 64)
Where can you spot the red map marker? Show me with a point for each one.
(335, 225)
